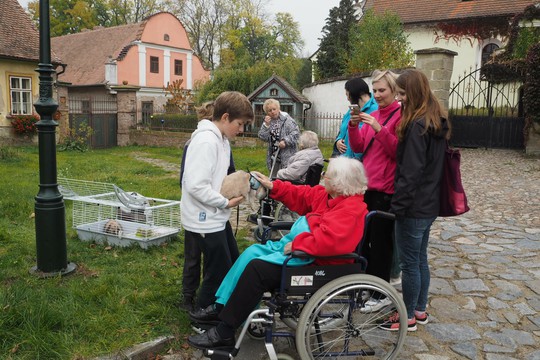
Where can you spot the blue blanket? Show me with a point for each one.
(271, 252)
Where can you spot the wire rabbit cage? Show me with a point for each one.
(104, 213)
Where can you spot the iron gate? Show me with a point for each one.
(486, 114)
(100, 114)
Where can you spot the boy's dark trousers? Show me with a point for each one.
(191, 277)
(220, 251)
(378, 247)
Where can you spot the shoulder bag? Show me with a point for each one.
(453, 200)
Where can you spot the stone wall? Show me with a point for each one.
(178, 139)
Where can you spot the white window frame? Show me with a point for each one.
(18, 92)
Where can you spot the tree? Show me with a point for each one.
(303, 77)
(378, 42)
(334, 48)
(72, 16)
(248, 79)
(66, 16)
(204, 21)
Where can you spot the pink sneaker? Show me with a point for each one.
(421, 319)
(392, 323)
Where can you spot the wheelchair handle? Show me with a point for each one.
(380, 214)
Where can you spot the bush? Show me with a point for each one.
(77, 138)
(24, 124)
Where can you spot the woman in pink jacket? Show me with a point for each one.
(378, 143)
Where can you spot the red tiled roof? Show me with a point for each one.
(424, 11)
(19, 38)
(87, 52)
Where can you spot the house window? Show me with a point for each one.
(488, 51)
(21, 95)
(154, 64)
(178, 67)
(273, 92)
(166, 37)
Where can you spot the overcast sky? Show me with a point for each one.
(310, 14)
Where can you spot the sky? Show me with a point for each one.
(310, 14)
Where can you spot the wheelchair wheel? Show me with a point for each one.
(256, 331)
(360, 334)
(257, 234)
(282, 213)
(290, 318)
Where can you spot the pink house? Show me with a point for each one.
(144, 57)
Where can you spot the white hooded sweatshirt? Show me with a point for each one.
(203, 208)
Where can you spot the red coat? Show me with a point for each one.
(336, 225)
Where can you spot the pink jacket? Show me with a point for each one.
(380, 159)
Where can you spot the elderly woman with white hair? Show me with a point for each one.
(281, 133)
(309, 154)
(332, 224)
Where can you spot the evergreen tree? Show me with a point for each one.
(334, 48)
(378, 42)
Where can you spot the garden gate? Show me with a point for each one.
(100, 114)
(486, 114)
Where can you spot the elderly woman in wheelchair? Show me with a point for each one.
(331, 225)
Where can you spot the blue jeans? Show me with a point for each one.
(412, 236)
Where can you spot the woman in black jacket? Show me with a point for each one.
(422, 136)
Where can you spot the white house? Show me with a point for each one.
(474, 29)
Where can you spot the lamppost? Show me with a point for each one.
(49, 207)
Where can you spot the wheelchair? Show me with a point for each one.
(272, 210)
(323, 307)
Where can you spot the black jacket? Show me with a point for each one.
(420, 157)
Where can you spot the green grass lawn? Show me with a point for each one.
(118, 296)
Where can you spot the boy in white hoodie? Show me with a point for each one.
(204, 211)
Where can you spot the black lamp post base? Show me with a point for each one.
(71, 267)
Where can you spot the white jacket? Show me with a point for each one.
(299, 164)
(203, 208)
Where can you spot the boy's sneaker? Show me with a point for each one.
(392, 323)
(423, 319)
(374, 305)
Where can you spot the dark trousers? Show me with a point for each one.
(258, 277)
(378, 247)
(191, 277)
(220, 251)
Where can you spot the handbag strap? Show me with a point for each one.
(373, 138)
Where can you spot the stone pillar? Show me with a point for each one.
(437, 64)
(62, 115)
(126, 100)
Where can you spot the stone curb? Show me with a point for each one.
(141, 351)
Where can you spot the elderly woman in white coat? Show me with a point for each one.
(281, 133)
(309, 154)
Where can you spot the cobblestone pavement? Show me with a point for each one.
(485, 266)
